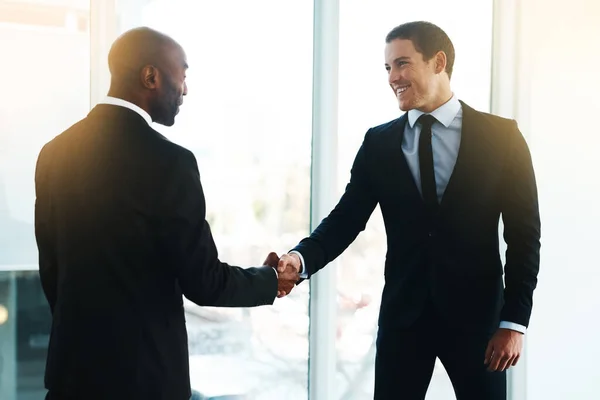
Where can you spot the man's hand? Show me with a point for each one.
(272, 260)
(288, 269)
(286, 276)
(504, 349)
(289, 260)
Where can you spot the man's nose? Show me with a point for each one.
(393, 76)
(185, 89)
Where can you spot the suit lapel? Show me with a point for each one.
(472, 156)
(403, 182)
(475, 154)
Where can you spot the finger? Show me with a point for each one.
(510, 362)
(288, 287)
(504, 363)
(272, 259)
(516, 360)
(282, 264)
(289, 276)
(272, 255)
(488, 353)
(495, 363)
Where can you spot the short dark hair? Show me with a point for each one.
(427, 38)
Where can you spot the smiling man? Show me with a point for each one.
(443, 174)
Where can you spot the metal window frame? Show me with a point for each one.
(510, 98)
(322, 304)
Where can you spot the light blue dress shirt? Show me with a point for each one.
(445, 142)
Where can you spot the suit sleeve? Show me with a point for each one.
(349, 217)
(43, 230)
(192, 253)
(522, 230)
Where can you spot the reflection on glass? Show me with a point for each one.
(247, 119)
(365, 100)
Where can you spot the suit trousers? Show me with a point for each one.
(406, 358)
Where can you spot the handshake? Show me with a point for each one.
(288, 271)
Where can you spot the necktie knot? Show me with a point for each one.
(426, 120)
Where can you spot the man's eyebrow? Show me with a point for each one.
(403, 58)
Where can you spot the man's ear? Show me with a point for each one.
(440, 62)
(150, 77)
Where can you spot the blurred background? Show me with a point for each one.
(248, 118)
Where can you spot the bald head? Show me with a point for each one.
(135, 49)
(148, 68)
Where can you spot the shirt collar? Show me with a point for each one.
(124, 103)
(445, 113)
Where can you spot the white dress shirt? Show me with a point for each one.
(124, 103)
(445, 142)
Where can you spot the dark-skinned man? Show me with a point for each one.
(122, 236)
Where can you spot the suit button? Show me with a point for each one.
(431, 234)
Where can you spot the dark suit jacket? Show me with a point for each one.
(121, 230)
(452, 258)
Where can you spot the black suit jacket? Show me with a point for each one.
(453, 257)
(121, 231)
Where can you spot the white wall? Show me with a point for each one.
(560, 56)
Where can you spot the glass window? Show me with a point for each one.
(46, 88)
(25, 322)
(365, 100)
(247, 118)
(43, 95)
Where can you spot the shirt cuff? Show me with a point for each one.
(302, 273)
(512, 326)
(276, 273)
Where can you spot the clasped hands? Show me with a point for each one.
(288, 271)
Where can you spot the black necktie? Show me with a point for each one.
(428, 187)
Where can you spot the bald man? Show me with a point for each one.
(121, 232)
